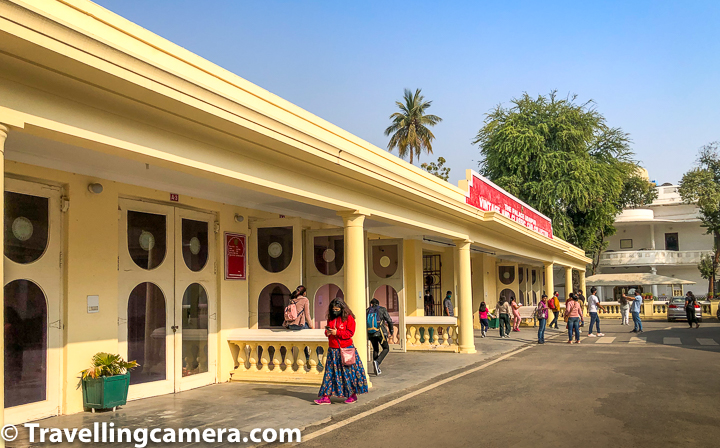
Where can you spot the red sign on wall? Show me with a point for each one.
(487, 196)
(235, 256)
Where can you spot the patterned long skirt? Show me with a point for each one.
(340, 380)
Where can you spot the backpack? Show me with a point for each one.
(372, 323)
(291, 311)
(551, 304)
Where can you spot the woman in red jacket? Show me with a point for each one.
(341, 380)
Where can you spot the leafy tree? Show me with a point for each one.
(409, 132)
(562, 158)
(701, 185)
(437, 169)
(708, 270)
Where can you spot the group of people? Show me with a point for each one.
(344, 374)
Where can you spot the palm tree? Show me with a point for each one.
(409, 128)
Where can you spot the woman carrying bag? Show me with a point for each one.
(344, 371)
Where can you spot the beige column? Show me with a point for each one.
(464, 300)
(583, 286)
(3, 135)
(355, 291)
(568, 281)
(549, 279)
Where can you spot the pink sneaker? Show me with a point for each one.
(351, 400)
(323, 400)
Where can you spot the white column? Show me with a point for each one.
(652, 236)
(568, 281)
(653, 270)
(355, 294)
(549, 279)
(464, 299)
(4, 130)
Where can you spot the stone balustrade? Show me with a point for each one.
(432, 333)
(278, 356)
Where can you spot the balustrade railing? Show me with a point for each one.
(431, 333)
(278, 356)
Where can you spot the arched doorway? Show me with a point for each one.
(323, 296)
(388, 297)
(271, 305)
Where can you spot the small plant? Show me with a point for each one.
(107, 364)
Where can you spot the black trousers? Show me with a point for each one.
(504, 324)
(555, 319)
(377, 342)
(691, 317)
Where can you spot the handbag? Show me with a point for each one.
(347, 355)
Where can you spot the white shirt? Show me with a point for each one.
(593, 303)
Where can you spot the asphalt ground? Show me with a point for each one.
(659, 391)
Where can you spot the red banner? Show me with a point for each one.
(487, 196)
(235, 259)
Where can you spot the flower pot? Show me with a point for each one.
(105, 392)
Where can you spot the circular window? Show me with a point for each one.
(147, 241)
(194, 245)
(329, 255)
(506, 275)
(385, 261)
(275, 250)
(22, 228)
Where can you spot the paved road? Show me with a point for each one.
(659, 390)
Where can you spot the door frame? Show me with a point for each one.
(51, 260)
(396, 281)
(207, 278)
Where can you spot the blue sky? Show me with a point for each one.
(652, 67)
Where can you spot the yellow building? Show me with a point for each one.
(160, 207)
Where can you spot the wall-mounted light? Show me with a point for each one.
(239, 218)
(95, 188)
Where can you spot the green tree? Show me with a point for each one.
(437, 169)
(562, 158)
(409, 132)
(708, 270)
(701, 186)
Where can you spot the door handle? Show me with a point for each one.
(174, 328)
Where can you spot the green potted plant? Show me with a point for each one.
(105, 383)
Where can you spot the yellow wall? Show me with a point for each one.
(414, 282)
(90, 267)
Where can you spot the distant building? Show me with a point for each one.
(663, 238)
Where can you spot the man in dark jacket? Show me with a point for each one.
(379, 336)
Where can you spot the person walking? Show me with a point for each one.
(593, 304)
(572, 314)
(448, 305)
(503, 311)
(690, 302)
(378, 333)
(581, 300)
(554, 306)
(516, 313)
(483, 312)
(624, 310)
(542, 316)
(297, 313)
(339, 379)
(636, 304)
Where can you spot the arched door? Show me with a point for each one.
(385, 281)
(32, 301)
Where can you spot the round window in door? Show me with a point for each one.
(385, 260)
(275, 248)
(194, 330)
(147, 333)
(195, 244)
(329, 253)
(507, 274)
(26, 227)
(146, 233)
(25, 343)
